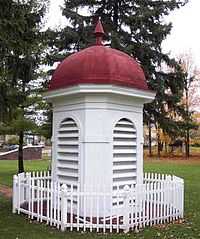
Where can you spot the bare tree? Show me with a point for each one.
(191, 98)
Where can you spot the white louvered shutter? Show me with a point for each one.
(68, 152)
(124, 154)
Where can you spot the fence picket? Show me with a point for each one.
(147, 204)
(48, 188)
(104, 214)
(51, 204)
(151, 203)
(78, 207)
(19, 193)
(71, 207)
(84, 212)
(41, 200)
(58, 206)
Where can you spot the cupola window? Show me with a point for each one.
(124, 154)
(68, 152)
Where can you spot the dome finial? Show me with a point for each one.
(99, 33)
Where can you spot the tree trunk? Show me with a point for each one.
(116, 15)
(159, 143)
(33, 140)
(187, 136)
(20, 153)
(165, 147)
(187, 144)
(150, 146)
(21, 137)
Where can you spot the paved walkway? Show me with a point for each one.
(6, 191)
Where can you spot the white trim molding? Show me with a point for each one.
(147, 96)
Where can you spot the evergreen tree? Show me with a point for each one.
(21, 46)
(136, 27)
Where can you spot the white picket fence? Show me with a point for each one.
(160, 199)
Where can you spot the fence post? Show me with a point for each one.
(63, 206)
(126, 208)
(15, 194)
(21, 180)
(182, 198)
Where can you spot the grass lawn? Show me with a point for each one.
(18, 226)
(9, 167)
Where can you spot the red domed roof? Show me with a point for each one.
(98, 65)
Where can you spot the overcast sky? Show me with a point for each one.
(185, 35)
